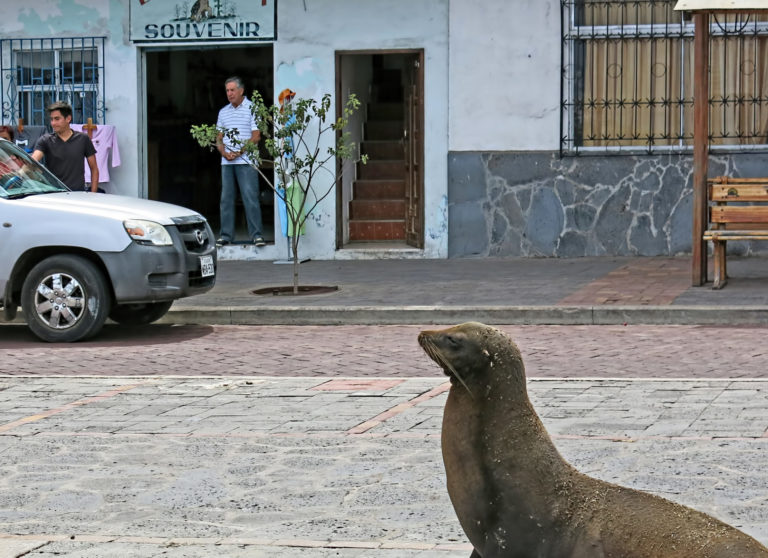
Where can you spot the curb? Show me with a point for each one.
(512, 315)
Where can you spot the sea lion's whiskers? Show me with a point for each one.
(459, 378)
(434, 353)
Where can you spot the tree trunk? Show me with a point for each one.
(295, 250)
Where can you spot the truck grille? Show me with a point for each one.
(195, 234)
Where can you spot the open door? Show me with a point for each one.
(179, 171)
(381, 204)
(414, 154)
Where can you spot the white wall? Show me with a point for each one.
(77, 18)
(304, 61)
(504, 90)
(309, 34)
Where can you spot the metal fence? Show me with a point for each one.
(627, 78)
(36, 72)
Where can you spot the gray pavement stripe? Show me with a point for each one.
(366, 426)
(37, 540)
(66, 407)
(203, 459)
(396, 436)
(226, 380)
(306, 407)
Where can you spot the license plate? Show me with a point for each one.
(206, 266)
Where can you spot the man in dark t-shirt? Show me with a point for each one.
(65, 149)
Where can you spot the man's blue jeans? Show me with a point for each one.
(246, 178)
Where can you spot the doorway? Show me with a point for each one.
(185, 86)
(380, 204)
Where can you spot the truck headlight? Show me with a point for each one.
(147, 232)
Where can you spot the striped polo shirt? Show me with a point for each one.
(238, 118)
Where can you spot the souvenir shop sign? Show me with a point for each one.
(153, 21)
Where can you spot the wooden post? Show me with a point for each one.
(90, 127)
(700, 144)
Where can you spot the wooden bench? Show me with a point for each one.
(738, 210)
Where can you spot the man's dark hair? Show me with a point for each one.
(64, 108)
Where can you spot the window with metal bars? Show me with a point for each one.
(37, 72)
(627, 77)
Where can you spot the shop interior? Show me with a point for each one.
(185, 86)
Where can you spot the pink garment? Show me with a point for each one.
(104, 139)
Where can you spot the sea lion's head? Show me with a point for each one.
(475, 355)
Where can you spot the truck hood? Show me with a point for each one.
(109, 206)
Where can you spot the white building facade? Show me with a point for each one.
(486, 129)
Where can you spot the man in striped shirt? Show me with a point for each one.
(236, 170)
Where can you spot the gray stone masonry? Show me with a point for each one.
(539, 204)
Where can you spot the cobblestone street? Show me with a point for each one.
(333, 467)
(324, 441)
(634, 351)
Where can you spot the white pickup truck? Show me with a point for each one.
(72, 259)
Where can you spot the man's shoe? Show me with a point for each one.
(258, 241)
(222, 242)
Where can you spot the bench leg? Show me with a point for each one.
(720, 275)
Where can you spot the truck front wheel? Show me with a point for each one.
(65, 298)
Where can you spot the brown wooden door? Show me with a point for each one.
(414, 153)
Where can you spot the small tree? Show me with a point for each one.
(293, 135)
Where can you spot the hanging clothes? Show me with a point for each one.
(294, 196)
(291, 194)
(282, 211)
(28, 136)
(104, 139)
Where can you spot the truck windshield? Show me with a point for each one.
(22, 176)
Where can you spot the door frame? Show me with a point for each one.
(418, 53)
(142, 85)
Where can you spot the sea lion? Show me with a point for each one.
(515, 496)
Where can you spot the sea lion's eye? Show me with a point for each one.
(452, 340)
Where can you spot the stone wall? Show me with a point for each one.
(540, 205)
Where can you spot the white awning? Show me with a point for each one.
(721, 5)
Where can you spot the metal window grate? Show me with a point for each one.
(627, 78)
(36, 72)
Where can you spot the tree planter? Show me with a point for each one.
(288, 290)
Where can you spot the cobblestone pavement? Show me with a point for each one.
(640, 281)
(633, 351)
(323, 441)
(332, 467)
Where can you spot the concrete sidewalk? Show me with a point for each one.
(132, 467)
(599, 290)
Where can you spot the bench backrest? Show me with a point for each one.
(735, 202)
